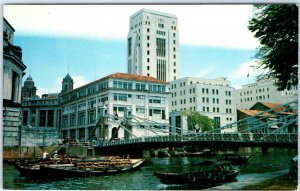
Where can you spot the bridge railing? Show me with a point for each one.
(220, 137)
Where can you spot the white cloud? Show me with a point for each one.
(245, 74)
(56, 87)
(79, 81)
(208, 25)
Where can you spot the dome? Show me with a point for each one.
(29, 78)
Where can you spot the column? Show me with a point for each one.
(68, 133)
(7, 74)
(37, 117)
(46, 122)
(55, 118)
(77, 134)
(29, 117)
(86, 133)
(97, 131)
(76, 115)
(97, 107)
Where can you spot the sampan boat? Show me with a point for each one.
(216, 173)
(87, 169)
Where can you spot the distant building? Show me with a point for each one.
(153, 45)
(41, 117)
(145, 97)
(263, 91)
(213, 98)
(29, 89)
(13, 71)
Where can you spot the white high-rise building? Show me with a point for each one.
(213, 98)
(153, 45)
(263, 91)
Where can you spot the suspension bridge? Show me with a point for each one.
(275, 127)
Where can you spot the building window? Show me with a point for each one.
(148, 30)
(140, 110)
(140, 87)
(148, 45)
(148, 37)
(148, 67)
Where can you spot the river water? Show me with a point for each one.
(259, 167)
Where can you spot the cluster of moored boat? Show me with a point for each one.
(209, 173)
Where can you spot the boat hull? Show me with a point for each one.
(196, 178)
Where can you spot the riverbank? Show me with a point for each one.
(284, 182)
(278, 180)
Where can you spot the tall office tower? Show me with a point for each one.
(153, 45)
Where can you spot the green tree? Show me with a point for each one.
(276, 27)
(197, 122)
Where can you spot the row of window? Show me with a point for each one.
(141, 110)
(248, 92)
(257, 98)
(182, 92)
(139, 86)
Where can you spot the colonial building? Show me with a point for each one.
(13, 71)
(41, 120)
(153, 45)
(263, 91)
(41, 117)
(214, 98)
(143, 96)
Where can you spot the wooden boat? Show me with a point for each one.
(217, 173)
(235, 158)
(86, 169)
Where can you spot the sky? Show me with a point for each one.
(89, 41)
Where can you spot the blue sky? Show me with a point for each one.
(56, 39)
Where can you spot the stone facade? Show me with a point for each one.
(13, 71)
